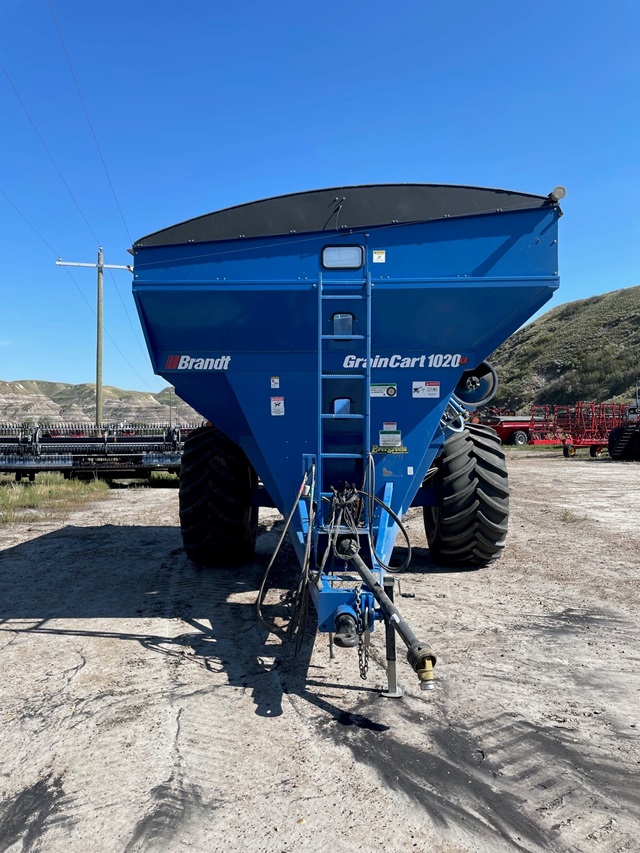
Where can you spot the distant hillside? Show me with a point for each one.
(30, 400)
(583, 350)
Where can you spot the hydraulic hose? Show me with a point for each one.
(263, 586)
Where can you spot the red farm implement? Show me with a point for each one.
(580, 425)
(586, 425)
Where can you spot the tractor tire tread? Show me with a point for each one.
(218, 524)
(470, 523)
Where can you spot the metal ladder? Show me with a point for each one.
(361, 292)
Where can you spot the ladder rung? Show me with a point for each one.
(343, 376)
(341, 417)
(343, 296)
(342, 337)
(345, 282)
(340, 456)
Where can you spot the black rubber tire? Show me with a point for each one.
(520, 438)
(614, 437)
(469, 524)
(595, 450)
(218, 524)
(568, 451)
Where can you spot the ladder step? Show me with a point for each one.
(343, 296)
(340, 456)
(341, 417)
(342, 337)
(343, 376)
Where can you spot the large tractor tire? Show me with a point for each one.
(468, 526)
(614, 437)
(217, 521)
(624, 447)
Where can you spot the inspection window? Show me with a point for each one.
(342, 406)
(342, 257)
(343, 325)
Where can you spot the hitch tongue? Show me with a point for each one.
(420, 655)
(346, 634)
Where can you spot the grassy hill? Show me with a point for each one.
(584, 350)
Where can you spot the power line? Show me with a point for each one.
(136, 333)
(86, 113)
(44, 145)
(82, 214)
(76, 285)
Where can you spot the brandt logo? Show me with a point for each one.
(187, 362)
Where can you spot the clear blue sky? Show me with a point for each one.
(201, 104)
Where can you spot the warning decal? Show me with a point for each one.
(425, 390)
(277, 405)
(390, 438)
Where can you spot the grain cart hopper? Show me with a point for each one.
(333, 338)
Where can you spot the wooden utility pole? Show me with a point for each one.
(101, 266)
(99, 302)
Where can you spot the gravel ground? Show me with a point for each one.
(143, 708)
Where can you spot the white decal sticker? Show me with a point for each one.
(426, 390)
(277, 405)
(446, 359)
(391, 438)
(384, 389)
(410, 470)
(379, 256)
(275, 381)
(394, 361)
(389, 425)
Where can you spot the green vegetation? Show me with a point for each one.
(48, 496)
(571, 518)
(584, 350)
(163, 480)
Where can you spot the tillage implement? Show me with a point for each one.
(335, 339)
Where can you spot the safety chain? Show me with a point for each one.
(363, 636)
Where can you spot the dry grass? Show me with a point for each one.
(49, 496)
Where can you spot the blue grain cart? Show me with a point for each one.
(335, 340)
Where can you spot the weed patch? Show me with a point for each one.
(48, 496)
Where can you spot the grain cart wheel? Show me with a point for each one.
(520, 438)
(218, 523)
(469, 524)
(568, 451)
(614, 437)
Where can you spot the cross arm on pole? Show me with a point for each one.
(61, 263)
(100, 266)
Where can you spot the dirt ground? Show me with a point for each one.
(143, 708)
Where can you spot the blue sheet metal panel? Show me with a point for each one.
(225, 317)
(283, 421)
(468, 315)
(277, 259)
(522, 243)
(500, 244)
